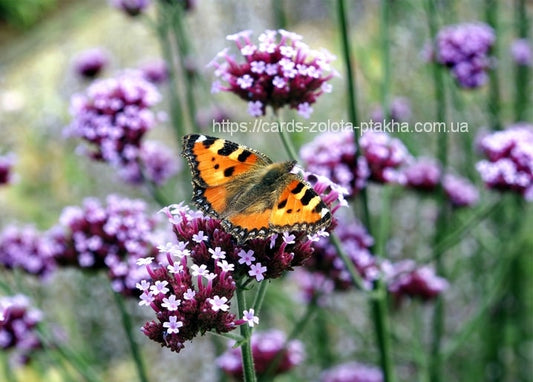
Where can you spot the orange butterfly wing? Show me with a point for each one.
(214, 162)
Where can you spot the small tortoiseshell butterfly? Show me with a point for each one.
(252, 196)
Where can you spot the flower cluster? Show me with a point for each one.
(405, 279)
(271, 356)
(399, 110)
(352, 372)
(18, 321)
(155, 71)
(325, 272)
(275, 72)
(28, 249)
(202, 268)
(113, 117)
(465, 48)
(385, 156)
(509, 163)
(460, 191)
(521, 52)
(111, 237)
(6, 165)
(332, 155)
(91, 62)
(131, 7)
(424, 174)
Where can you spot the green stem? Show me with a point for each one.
(288, 145)
(354, 274)
(351, 98)
(436, 372)
(128, 329)
(279, 14)
(163, 32)
(378, 299)
(184, 50)
(70, 356)
(259, 297)
(246, 347)
(522, 72)
(494, 101)
(8, 373)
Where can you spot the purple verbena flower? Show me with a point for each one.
(6, 166)
(460, 191)
(28, 249)
(265, 348)
(352, 372)
(399, 110)
(465, 49)
(113, 237)
(384, 156)
(509, 163)
(131, 7)
(405, 279)
(91, 62)
(18, 321)
(325, 272)
(279, 70)
(332, 155)
(521, 52)
(424, 174)
(155, 71)
(113, 116)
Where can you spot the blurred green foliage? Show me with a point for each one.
(24, 13)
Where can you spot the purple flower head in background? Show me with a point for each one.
(352, 372)
(6, 168)
(155, 71)
(521, 52)
(384, 156)
(18, 321)
(279, 70)
(131, 7)
(325, 272)
(400, 110)
(111, 236)
(332, 155)
(28, 249)
(405, 279)
(265, 349)
(460, 191)
(423, 174)
(509, 163)
(465, 49)
(113, 117)
(91, 62)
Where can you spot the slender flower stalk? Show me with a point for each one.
(246, 346)
(351, 90)
(442, 155)
(522, 72)
(127, 324)
(494, 98)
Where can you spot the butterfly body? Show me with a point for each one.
(252, 196)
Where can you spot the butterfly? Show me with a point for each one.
(251, 196)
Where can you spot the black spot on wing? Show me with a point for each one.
(216, 166)
(208, 142)
(308, 196)
(227, 149)
(298, 188)
(282, 204)
(229, 171)
(244, 155)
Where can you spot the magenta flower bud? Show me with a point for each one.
(91, 62)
